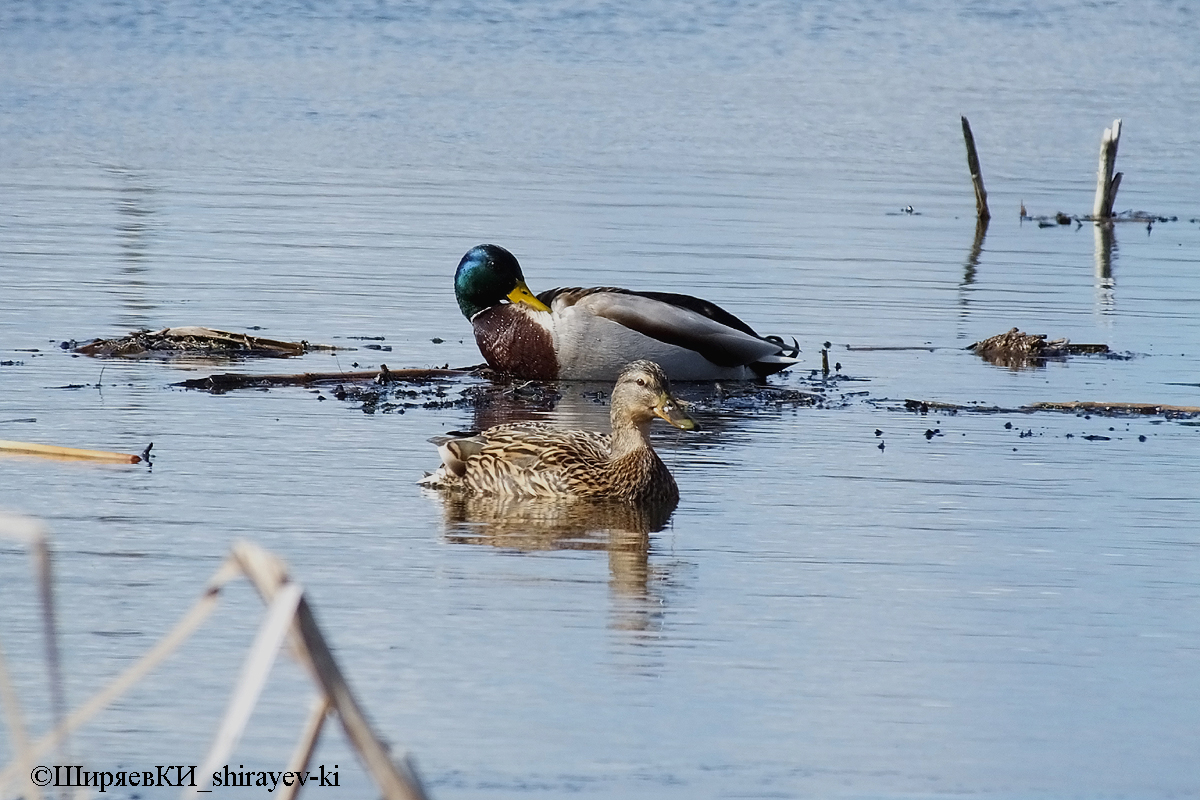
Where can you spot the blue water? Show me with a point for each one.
(1000, 612)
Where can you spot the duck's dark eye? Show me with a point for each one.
(641, 381)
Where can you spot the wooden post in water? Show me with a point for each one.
(1106, 181)
(981, 205)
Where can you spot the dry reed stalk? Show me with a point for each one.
(397, 781)
(32, 534)
(53, 451)
(306, 744)
(192, 620)
(257, 667)
(23, 758)
(288, 611)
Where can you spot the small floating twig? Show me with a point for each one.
(53, 451)
(865, 348)
(1111, 408)
(226, 381)
(1098, 407)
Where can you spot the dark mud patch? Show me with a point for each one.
(494, 399)
(386, 390)
(432, 395)
(754, 397)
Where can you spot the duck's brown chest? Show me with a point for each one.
(514, 343)
(639, 477)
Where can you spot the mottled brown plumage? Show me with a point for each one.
(538, 460)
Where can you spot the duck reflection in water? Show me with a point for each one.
(618, 527)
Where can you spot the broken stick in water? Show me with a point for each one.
(227, 381)
(1106, 182)
(981, 205)
(1077, 406)
(1158, 409)
(53, 451)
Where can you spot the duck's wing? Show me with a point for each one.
(537, 445)
(519, 459)
(676, 319)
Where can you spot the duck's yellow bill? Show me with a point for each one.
(521, 294)
(669, 409)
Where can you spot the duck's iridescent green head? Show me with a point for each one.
(486, 277)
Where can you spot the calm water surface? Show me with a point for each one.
(1004, 610)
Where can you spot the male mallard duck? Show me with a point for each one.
(590, 334)
(536, 460)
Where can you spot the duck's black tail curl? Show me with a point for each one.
(790, 351)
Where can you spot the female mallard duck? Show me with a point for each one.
(536, 460)
(590, 334)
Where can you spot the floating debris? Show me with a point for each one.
(1059, 218)
(191, 341)
(1016, 350)
(498, 400)
(743, 396)
(228, 381)
(395, 391)
(1079, 407)
(1118, 409)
